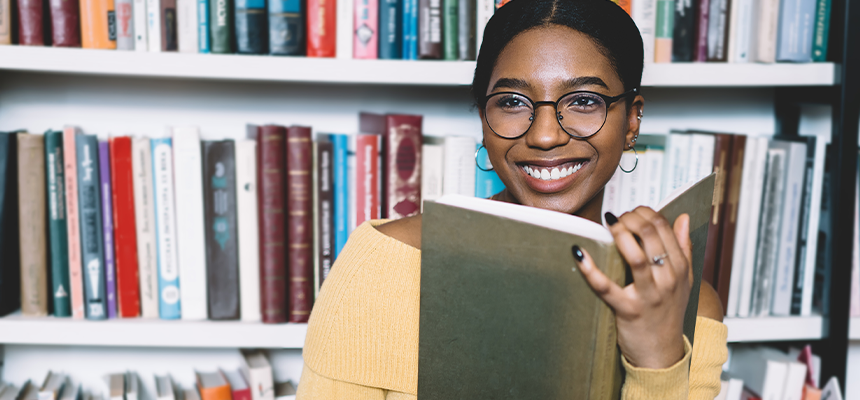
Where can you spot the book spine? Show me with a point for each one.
(124, 25)
(219, 188)
(721, 162)
(344, 31)
(31, 225)
(451, 23)
(718, 26)
(701, 39)
(431, 171)
(190, 232)
(733, 179)
(803, 231)
(765, 35)
(246, 205)
(645, 17)
(430, 29)
(684, 31)
(299, 223)
(125, 235)
(821, 30)
(203, 28)
(746, 241)
(31, 31)
(366, 179)
(271, 197)
(740, 30)
(221, 26)
(466, 29)
(98, 24)
(784, 268)
(92, 242)
(251, 29)
(107, 228)
(168, 26)
(341, 192)
(187, 26)
(169, 304)
(484, 11)
(10, 277)
(76, 279)
(366, 41)
(768, 247)
(286, 27)
(391, 29)
(325, 208)
(144, 210)
(401, 175)
(141, 34)
(153, 25)
(59, 247)
(815, 215)
(664, 30)
(788, 34)
(6, 21)
(459, 175)
(322, 28)
(65, 24)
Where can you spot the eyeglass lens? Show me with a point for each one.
(580, 114)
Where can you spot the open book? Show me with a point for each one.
(504, 312)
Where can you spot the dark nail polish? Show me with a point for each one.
(611, 219)
(577, 253)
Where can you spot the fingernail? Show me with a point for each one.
(611, 219)
(577, 253)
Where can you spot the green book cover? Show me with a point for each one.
(221, 15)
(58, 248)
(822, 29)
(450, 24)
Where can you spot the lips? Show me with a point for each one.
(552, 173)
(551, 176)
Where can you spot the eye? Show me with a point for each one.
(582, 102)
(512, 102)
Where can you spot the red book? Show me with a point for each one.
(401, 155)
(366, 178)
(272, 180)
(125, 231)
(31, 29)
(722, 155)
(322, 28)
(730, 223)
(65, 23)
(300, 223)
(701, 50)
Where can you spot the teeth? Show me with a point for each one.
(554, 174)
(544, 174)
(551, 174)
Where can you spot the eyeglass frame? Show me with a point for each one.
(609, 100)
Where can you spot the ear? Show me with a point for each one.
(634, 120)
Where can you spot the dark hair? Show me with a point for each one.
(612, 30)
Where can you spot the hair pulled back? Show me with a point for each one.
(612, 30)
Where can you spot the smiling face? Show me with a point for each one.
(546, 167)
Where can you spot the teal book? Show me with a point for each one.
(221, 14)
(169, 304)
(821, 30)
(58, 241)
(89, 212)
(451, 27)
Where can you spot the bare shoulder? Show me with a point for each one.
(406, 230)
(709, 303)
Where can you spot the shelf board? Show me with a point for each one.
(767, 329)
(375, 72)
(139, 332)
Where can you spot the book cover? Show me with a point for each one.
(684, 31)
(125, 230)
(221, 16)
(733, 176)
(484, 11)
(366, 38)
(718, 30)
(325, 206)
(153, 25)
(124, 24)
(271, 197)
(391, 29)
(767, 250)
(820, 33)
(31, 225)
(141, 31)
(76, 278)
(812, 236)
(106, 192)
(187, 26)
(98, 24)
(664, 30)
(432, 168)
(645, 17)
(344, 32)
(92, 241)
(6, 21)
(721, 154)
(213, 385)
(410, 30)
(239, 388)
(10, 271)
(222, 262)
(740, 30)
(169, 36)
(190, 229)
(430, 29)
(248, 228)
(700, 49)
(364, 179)
(765, 29)
(144, 210)
(31, 28)
(451, 24)
(746, 238)
(65, 24)
(401, 156)
(257, 371)
(459, 168)
(169, 304)
(788, 236)
(251, 27)
(203, 27)
(341, 191)
(286, 27)
(796, 30)
(299, 223)
(58, 255)
(466, 29)
(322, 28)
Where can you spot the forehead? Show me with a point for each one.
(547, 57)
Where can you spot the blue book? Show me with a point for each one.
(203, 26)
(410, 30)
(251, 32)
(286, 27)
(487, 183)
(391, 29)
(796, 24)
(165, 229)
(89, 214)
(341, 192)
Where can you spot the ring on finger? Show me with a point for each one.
(659, 260)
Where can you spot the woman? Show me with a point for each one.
(556, 85)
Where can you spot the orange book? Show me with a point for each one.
(811, 393)
(213, 386)
(98, 24)
(625, 4)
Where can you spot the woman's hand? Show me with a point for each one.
(649, 312)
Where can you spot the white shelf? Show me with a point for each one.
(138, 332)
(379, 72)
(767, 329)
(854, 329)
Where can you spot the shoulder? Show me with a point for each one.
(709, 303)
(406, 230)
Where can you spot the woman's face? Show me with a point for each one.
(544, 64)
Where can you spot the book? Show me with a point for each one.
(325, 207)
(30, 21)
(286, 27)
(767, 249)
(391, 29)
(153, 26)
(796, 28)
(410, 30)
(466, 29)
(366, 22)
(251, 28)
(125, 230)
(458, 323)
(678, 165)
(768, 372)
(722, 149)
(740, 30)
(124, 25)
(299, 223)
(484, 11)
(70, 391)
(116, 386)
(238, 386)
(221, 14)
(11, 392)
(322, 28)
(809, 247)
(345, 30)
(664, 30)
(92, 241)
(821, 30)
(144, 211)
(487, 183)
(76, 279)
(6, 21)
(735, 172)
(257, 371)
(31, 225)
(271, 197)
(432, 168)
(459, 166)
(164, 388)
(700, 48)
(167, 246)
(764, 31)
(190, 394)
(788, 237)
(65, 24)
(58, 255)
(341, 191)
(287, 391)
(188, 26)
(132, 386)
(451, 24)
(222, 262)
(141, 28)
(51, 386)
(203, 28)
(683, 31)
(718, 30)
(364, 179)
(430, 29)
(106, 192)
(645, 17)
(98, 24)
(730, 387)
(212, 385)
(401, 155)
(248, 229)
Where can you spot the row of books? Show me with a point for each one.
(760, 372)
(768, 224)
(732, 30)
(175, 227)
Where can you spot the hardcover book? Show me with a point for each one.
(391, 29)
(722, 149)
(341, 191)
(65, 24)
(401, 155)
(271, 197)
(141, 29)
(169, 24)
(299, 223)
(167, 247)
(98, 24)
(286, 27)
(459, 165)
(76, 278)
(124, 24)
(700, 50)
(221, 15)
(430, 29)
(203, 42)
(767, 250)
(664, 30)
(683, 33)
(106, 192)
(410, 30)
(796, 31)
(466, 29)
(366, 38)
(565, 334)
(125, 230)
(6, 21)
(451, 24)
(31, 28)
(187, 26)
(57, 234)
(325, 206)
(248, 228)
(821, 30)
(31, 224)
(718, 30)
(92, 240)
(251, 32)
(734, 174)
(10, 271)
(144, 210)
(322, 28)
(153, 25)
(364, 179)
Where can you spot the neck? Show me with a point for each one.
(590, 210)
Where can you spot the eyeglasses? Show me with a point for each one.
(581, 114)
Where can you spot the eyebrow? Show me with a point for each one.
(520, 84)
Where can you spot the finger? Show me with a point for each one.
(682, 235)
(670, 245)
(630, 249)
(608, 291)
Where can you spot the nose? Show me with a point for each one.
(546, 132)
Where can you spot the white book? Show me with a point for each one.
(750, 245)
(763, 372)
(315, 218)
(432, 158)
(70, 391)
(644, 15)
(258, 372)
(795, 378)
(116, 386)
(701, 156)
(153, 25)
(653, 175)
(132, 386)
(612, 194)
(764, 32)
(125, 37)
(768, 231)
(485, 11)
(144, 218)
(164, 388)
(740, 30)
(165, 223)
(731, 388)
(187, 26)
(10, 392)
(138, 15)
(459, 166)
(676, 169)
(629, 193)
(345, 29)
(813, 225)
(51, 387)
(246, 206)
(190, 223)
(741, 227)
(790, 223)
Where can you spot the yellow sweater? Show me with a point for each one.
(362, 340)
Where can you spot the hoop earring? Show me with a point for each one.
(479, 164)
(634, 165)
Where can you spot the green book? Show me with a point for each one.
(221, 15)
(822, 30)
(450, 24)
(58, 248)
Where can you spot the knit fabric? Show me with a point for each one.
(362, 340)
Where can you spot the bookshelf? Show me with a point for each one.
(772, 329)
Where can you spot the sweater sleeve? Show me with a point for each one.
(663, 384)
(313, 386)
(709, 354)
